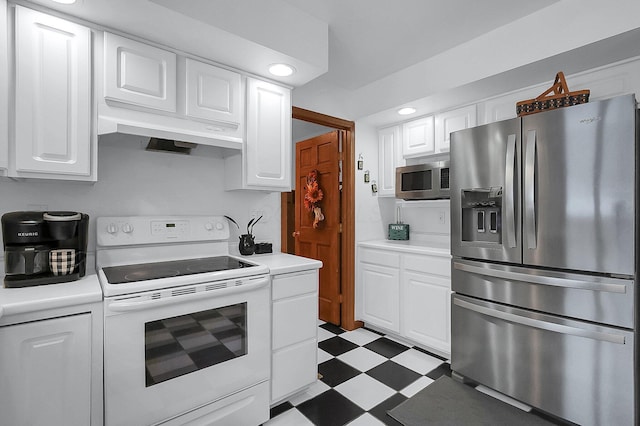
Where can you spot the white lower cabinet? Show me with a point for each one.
(426, 310)
(406, 294)
(46, 372)
(295, 334)
(379, 290)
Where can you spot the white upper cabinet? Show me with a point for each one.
(452, 121)
(418, 137)
(4, 92)
(212, 93)
(389, 157)
(139, 74)
(266, 162)
(53, 102)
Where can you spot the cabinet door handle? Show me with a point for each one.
(295, 234)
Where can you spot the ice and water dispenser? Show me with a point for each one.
(481, 215)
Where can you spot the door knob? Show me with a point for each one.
(295, 234)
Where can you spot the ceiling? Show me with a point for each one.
(364, 58)
(347, 44)
(370, 39)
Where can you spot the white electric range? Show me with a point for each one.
(187, 326)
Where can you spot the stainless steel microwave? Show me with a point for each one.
(423, 181)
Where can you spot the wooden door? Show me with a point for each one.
(321, 153)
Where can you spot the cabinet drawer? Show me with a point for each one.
(380, 257)
(432, 265)
(288, 285)
(293, 368)
(293, 320)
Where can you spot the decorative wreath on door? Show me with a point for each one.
(312, 196)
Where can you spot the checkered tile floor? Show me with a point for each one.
(364, 374)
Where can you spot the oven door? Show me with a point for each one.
(170, 351)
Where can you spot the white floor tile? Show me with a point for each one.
(362, 358)
(290, 417)
(320, 322)
(323, 356)
(324, 334)
(416, 386)
(417, 361)
(360, 336)
(312, 391)
(365, 391)
(366, 420)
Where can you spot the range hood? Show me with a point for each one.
(142, 123)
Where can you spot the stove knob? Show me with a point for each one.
(127, 228)
(208, 226)
(219, 226)
(112, 228)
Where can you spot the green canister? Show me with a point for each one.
(399, 230)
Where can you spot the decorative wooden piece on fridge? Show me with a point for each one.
(557, 96)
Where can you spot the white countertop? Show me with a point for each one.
(282, 263)
(14, 301)
(409, 246)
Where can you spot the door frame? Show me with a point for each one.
(347, 280)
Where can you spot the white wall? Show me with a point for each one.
(132, 181)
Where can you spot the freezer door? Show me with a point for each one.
(580, 371)
(587, 297)
(485, 192)
(579, 187)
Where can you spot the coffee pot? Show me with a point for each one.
(44, 247)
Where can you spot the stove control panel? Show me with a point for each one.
(130, 230)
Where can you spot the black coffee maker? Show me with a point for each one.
(44, 247)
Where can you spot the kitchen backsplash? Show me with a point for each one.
(132, 181)
(428, 220)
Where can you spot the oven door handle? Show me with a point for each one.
(181, 295)
(542, 325)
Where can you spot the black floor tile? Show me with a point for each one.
(279, 409)
(393, 375)
(386, 347)
(335, 372)
(336, 345)
(380, 410)
(443, 369)
(332, 328)
(330, 408)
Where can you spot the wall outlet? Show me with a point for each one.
(442, 217)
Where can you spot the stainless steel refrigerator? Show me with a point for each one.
(544, 243)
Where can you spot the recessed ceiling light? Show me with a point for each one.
(406, 111)
(281, 70)
(64, 1)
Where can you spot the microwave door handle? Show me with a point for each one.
(509, 191)
(529, 190)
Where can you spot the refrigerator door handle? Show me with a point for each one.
(529, 190)
(539, 324)
(509, 188)
(608, 287)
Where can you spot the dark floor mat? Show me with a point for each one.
(446, 402)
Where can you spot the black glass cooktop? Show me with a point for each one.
(151, 271)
